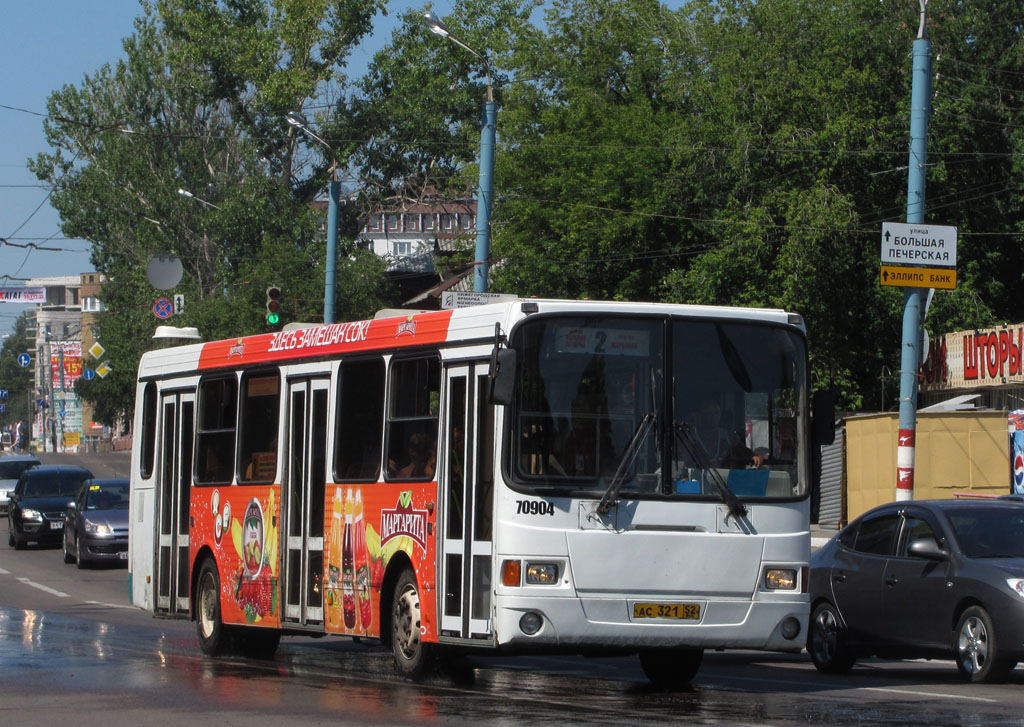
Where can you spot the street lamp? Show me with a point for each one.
(485, 190)
(200, 200)
(334, 198)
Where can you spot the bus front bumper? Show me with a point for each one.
(616, 623)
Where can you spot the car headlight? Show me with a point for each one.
(1016, 585)
(98, 528)
(30, 514)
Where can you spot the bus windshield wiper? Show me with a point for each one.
(685, 436)
(625, 463)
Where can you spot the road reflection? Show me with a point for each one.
(158, 668)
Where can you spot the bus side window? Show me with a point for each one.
(412, 418)
(359, 429)
(148, 430)
(257, 436)
(215, 433)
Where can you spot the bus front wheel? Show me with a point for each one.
(671, 668)
(213, 635)
(411, 654)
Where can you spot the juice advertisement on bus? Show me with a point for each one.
(246, 535)
(361, 541)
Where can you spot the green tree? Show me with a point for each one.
(15, 378)
(199, 104)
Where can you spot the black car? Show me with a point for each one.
(926, 578)
(96, 523)
(39, 502)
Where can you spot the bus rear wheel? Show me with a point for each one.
(671, 668)
(412, 656)
(214, 638)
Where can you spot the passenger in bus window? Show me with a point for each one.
(421, 458)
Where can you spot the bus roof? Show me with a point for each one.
(412, 329)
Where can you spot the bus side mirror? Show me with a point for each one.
(503, 373)
(823, 409)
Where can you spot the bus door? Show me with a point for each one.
(173, 490)
(302, 499)
(466, 487)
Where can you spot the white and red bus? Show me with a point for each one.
(535, 475)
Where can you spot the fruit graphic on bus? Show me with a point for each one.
(252, 538)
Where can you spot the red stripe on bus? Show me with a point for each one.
(328, 340)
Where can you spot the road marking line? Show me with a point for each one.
(41, 587)
(927, 694)
(108, 605)
(892, 690)
(4, 572)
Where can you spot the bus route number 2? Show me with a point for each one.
(534, 507)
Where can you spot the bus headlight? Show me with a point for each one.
(542, 573)
(780, 579)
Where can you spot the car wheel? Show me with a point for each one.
(19, 544)
(671, 668)
(412, 656)
(977, 649)
(826, 641)
(80, 561)
(68, 557)
(214, 637)
(10, 536)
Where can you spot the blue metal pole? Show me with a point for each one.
(920, 103)
(331, 267)
(484, 196)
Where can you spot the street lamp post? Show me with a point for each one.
(485, 190)
(334, 199)
(200, 200)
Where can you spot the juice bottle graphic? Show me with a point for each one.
(362, 565)
(348, 574)
(334, 548)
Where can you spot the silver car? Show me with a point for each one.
(11, 468)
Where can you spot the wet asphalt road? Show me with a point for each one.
(72, 651)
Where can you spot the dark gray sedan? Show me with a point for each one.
(927, 578)
(96, 523)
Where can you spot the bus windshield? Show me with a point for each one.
(658, 406)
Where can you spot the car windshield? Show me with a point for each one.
(107, 497)
(13, 470)
(54, 486)
(989, 532)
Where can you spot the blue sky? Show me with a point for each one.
(44, 46)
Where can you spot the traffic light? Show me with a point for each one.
(273, 305)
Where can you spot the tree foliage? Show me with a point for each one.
(712, 151)
(199, 104)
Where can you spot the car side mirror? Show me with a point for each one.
(928, 548)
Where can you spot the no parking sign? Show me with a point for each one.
(163, 308)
